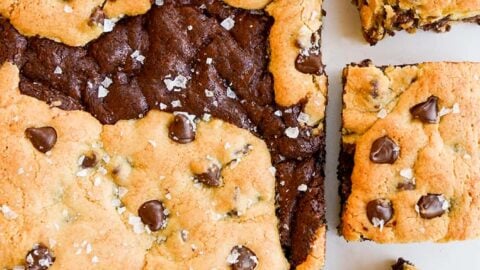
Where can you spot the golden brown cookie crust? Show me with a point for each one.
(381, 17)
(443, 158)
(80, 215)
(291, 18)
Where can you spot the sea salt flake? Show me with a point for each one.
(209, 61)
(230, 93)
(137, 56)
(95, 260)
(444, 111)
(162, 106)
(83, 173)
(108, 25)
(58, 70)
(382, 114)
(232, 258)
(407, 173)
(302, 188)
(189, 28)
(456, 108)
(159, 2)
(228, 23)
(206, 117)
(278, 113)
(102, 92)
(292, 132)
(209, 93)
(122, 191)
(303, 117)
(8, 213)
(152, 143)
(179, 82)
(67, 9)
(176, 103)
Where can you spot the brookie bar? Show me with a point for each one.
(381, 17)
(140, 134)
(409, 163)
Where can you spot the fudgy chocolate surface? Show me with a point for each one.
(178, 57)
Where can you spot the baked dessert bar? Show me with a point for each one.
(383, 17)
(402, 264)
(142, 134)
(409, 158)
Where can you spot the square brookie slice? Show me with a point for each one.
(410, 157)
(200, 144)
(381, 17)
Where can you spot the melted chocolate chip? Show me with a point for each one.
(406, 186)
(211, 177)
(401, 264)
(242, 258)
(39, 258)
(89, 161)
(379, 212)
(384, 151)
(43, 139)
(309, 64)
(427, 111)
(181, 130)
(153, 214)
(432, 206)
(97, 17)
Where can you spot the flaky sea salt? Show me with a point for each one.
(228, 23)
(108, 25)
(303, 118)
(302, 188)
(382, 114)
(8, 213)
(292, 132)
(58, 70)
(67, 9)
(102, 92)
(179, 82)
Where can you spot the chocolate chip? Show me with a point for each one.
(89, 161)
(43, 139)
(401, 264)
(406, 186)
(153, 214)
(242, 258)
(39, 258)
(97, 17)
(309, 64)
(384, 151)
(211, 177)
(379, 212)
(432, 205)
(181, 129)
(427, 111)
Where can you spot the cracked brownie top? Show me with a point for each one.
(410, 152)
(203, 62)
(382, 17)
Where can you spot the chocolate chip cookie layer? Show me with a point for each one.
(410, 155)
(260, 70)
(381, 17)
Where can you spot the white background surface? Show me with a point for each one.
(342, 44)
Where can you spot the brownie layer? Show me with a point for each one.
(181, 57)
